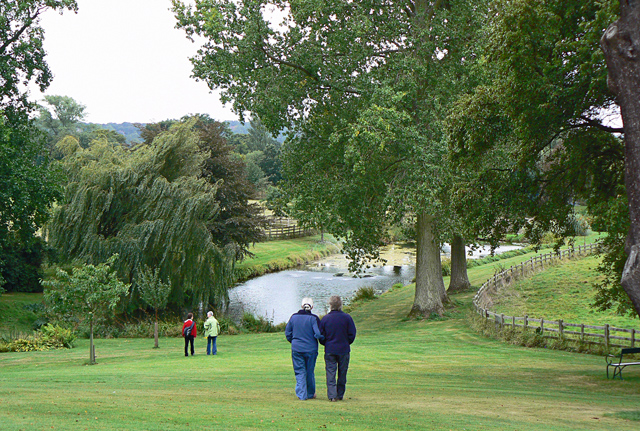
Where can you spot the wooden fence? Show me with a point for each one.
(280, 228)
(608, 335)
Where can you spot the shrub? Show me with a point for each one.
(446, 267)
(58, 334)
(255, 324)
(49, 337)
(364, 293)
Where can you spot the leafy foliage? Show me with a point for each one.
(89, 293)
(22, 51)
(534, 130)
(28, 186)
(239, 222)
(363, 86)
(153, 291)
(150, 206)
(47, 338)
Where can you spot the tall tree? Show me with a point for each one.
(621, 46)
(28, 185)
(22, 53)
(535, 129)
(370, 65)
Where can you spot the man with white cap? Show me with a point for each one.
(303, 332)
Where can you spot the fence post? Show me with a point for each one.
(502, 320)
(606, 335)
(513, 323)
(526, 322)
(633, 338)
(582, 331)
(560, 328)
(542, 326)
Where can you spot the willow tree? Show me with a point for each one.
(151, 207)
(380, 72)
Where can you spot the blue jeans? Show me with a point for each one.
(304, 365)
(341, 364)
(212, 349)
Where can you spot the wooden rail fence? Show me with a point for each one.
(280, 228)
(607, 334)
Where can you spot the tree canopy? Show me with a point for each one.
(151, 206)
(534, 130)
(22, 53)
(28, 185)
(363, 87)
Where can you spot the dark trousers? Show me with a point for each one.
(188, 340)
(339, 364)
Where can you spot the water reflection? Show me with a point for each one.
(277, 296)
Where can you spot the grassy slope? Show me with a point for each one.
(542, 295)
(283, 254)
(14, 317)
(403, 375)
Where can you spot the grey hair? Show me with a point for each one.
(210, 313)
(335, 303)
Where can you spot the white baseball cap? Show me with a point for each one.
(307, 302)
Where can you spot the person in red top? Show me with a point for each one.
(189, 332)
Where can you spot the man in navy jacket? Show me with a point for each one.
(303, 332)
(339, 332)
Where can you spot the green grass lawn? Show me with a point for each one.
(404, 374)
(277, 255)
(561, 292)
(268, 251)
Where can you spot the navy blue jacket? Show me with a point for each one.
(303, 332)
(339, 332)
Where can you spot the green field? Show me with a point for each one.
(561, 292)
(270, 256)
(404, 374)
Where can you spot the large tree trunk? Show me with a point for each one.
(459, 279)
(621, 47)
(430, 291)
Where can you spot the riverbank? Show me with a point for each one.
(404, 374)
(273, 256)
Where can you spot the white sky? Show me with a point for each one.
(125, 61)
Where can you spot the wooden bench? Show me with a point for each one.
(617, 362)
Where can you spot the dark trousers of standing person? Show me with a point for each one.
(339, 363)
(188, 340)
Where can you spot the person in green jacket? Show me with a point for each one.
(211, 331)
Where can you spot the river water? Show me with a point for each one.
(277, 296)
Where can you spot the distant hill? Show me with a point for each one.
(132, 133)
